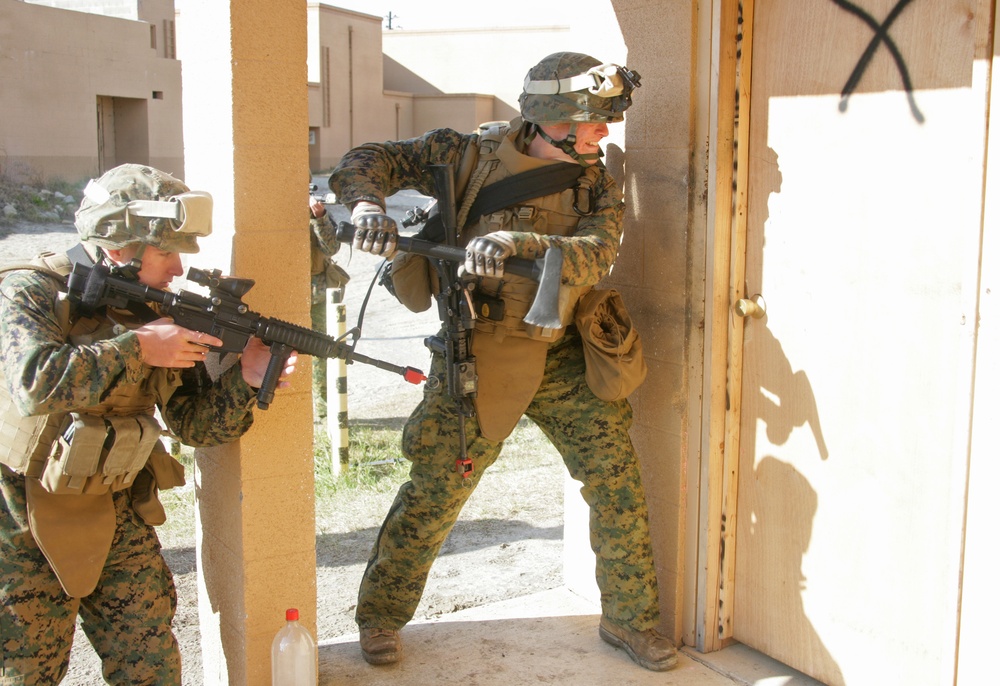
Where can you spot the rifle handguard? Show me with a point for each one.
(529, 269)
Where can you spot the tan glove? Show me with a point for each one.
(374, 231)
(485, 255)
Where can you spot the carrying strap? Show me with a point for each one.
(528, 185)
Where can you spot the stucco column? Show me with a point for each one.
(245, 141)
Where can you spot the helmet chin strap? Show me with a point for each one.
(567, 145)
(130, 270)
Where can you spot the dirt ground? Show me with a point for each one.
(508, 542)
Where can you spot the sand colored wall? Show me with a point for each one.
(659, 270)
(49, 91)
(358, 94)
(345, 60)
(246, 117)
(459, 112)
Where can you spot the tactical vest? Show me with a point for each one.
(554, 215)
(510, 354)
(100, 448)
(493, 159)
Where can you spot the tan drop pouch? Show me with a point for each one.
(612, 348)
(74, 532)
(508, 383)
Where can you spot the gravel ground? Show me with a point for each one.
(510, 532)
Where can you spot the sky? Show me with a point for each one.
(419, 15)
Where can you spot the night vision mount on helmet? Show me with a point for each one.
(134, 203)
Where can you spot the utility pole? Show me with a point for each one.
(389, 17)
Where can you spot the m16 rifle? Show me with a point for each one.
(222, 314)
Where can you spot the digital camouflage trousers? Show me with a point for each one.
(592, 437)
(127, 618)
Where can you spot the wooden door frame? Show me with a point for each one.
(709, 626)
(980, 600)
(725, 43)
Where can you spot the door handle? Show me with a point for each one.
(754, 307)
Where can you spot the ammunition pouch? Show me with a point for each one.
(95, 455)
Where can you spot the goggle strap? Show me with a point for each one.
(166, 209)
(605, 81)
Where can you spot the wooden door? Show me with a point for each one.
(864, 205)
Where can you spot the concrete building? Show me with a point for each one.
(81, 92)
(357, 93)
(109, 91)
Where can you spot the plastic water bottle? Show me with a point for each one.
(293, 654)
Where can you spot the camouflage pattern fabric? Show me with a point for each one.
(323, 235)
(127, 618)
(592, 437)
(373, 171)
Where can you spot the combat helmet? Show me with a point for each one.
(135, 203)
(570, 87)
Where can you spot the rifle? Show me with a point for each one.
(547, 271)
(222, 314)
(458, 316)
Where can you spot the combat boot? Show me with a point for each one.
(381, 646)
(648, 648)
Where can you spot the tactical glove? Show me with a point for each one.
(485, 255)
(374, 231)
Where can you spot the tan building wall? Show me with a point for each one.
(98, 96)
(462, 112)
(159, 14)
(358, 95)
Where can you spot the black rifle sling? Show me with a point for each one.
(528, 185)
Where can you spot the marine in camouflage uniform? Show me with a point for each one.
(325, 274)
(568, 100)
(78, 541)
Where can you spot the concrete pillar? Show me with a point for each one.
(245, 135)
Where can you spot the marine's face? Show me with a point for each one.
(159, 267)
(588, 136)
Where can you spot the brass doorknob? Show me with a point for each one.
(751, 307)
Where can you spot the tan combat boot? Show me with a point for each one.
(648, 648)
(381, 646)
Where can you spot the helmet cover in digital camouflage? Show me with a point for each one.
(570, 87)
(135, 203)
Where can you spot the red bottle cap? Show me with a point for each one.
(291, 615)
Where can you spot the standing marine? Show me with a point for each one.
(81, 461)
(567, 102)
